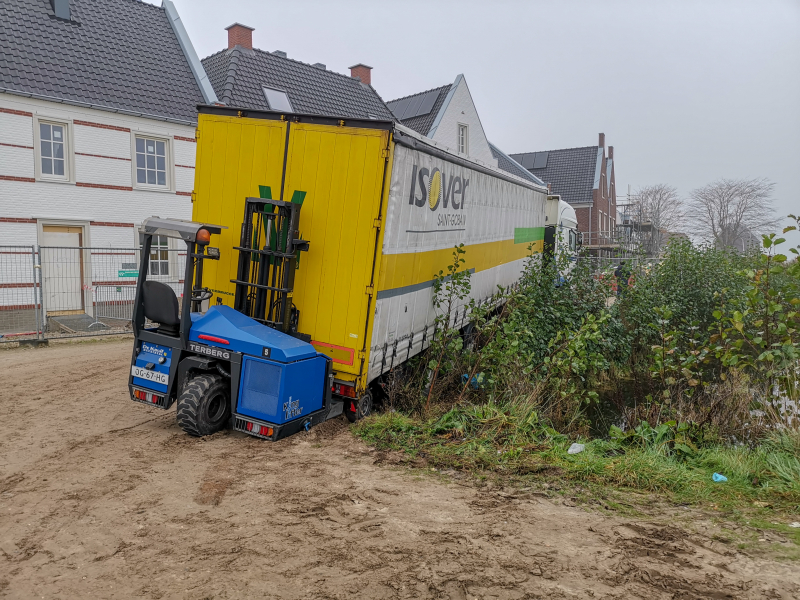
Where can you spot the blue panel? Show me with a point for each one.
(278, 393)
(150, 353)
(247, 336)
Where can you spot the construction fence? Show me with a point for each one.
(71, 291)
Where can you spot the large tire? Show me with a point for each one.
(363, 407)
(204, 406)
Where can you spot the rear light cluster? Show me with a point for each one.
(149, 397)
(256, 429)
(344, 390)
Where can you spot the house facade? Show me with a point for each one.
(584, 177)
(448, 117)
(94, 137)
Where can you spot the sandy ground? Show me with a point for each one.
(102, 497)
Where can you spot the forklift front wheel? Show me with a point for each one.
(204, 405)
(362, 406)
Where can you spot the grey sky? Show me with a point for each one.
(685, 91)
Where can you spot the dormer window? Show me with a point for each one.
(277, 100)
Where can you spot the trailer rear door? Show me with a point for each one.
(341, 170)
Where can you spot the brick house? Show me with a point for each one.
(584, 177)
(94, 136)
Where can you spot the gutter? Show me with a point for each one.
(209, 96)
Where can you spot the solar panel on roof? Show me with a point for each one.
(427, 103)
(527, 160)
(540, 160)
(399, 107)
(413, 107)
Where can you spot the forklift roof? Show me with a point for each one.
(177, 228)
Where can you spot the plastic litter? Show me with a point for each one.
(719, 478)
(576, 449)
(476, 382)
(795, 524)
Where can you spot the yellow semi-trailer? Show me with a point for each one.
(383, 209)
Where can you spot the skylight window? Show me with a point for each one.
(278, 100)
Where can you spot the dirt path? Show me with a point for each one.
(101, 497)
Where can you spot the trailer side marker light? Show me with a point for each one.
(213, 338)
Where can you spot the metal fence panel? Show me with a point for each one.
(69, 291)
(19, 300)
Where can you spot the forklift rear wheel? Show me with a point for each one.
(204, 405)
(362, 406)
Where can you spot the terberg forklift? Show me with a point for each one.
(245, 367)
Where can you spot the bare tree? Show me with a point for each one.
(656, 210)
(732, 212)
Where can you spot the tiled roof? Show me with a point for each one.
(509, 165)
(119, 55)
(423, 123)
(239, 75)
(571, 171)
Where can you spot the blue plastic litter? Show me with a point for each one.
(476, 382)
(719, 478)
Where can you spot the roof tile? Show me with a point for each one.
(238, 76)
(115, 54)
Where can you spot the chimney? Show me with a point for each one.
(61, 9)
(602, 142)
(611, 152)
(240, 35)
(361, 72)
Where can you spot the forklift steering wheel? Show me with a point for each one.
(201, 295)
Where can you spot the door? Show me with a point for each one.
(62, 270)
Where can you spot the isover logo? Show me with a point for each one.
(439, 190)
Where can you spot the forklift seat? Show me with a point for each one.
(161, 306)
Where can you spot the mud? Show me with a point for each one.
(104, 498)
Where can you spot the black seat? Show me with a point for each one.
(161, 306)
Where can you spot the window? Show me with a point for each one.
(463, 139)
(278, 100)
(159, 255)
(151, 161)
(52, 151)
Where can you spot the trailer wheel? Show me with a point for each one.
(362, 406)
(204, 405)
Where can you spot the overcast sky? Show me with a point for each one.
(686, 91)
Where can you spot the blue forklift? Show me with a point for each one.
(244, 367)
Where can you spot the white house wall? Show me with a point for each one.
(101, 197)
(461, 109)
(102, 190)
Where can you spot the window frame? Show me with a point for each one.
(465, 128)
(168, 160)
(69, 160)
(174, 248)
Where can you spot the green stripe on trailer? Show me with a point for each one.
(525, 235)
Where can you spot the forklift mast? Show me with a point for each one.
(268, 258)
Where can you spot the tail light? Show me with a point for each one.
(343, 389)
(256, 429)
(149, 397)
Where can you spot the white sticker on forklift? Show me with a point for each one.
(154, 376)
